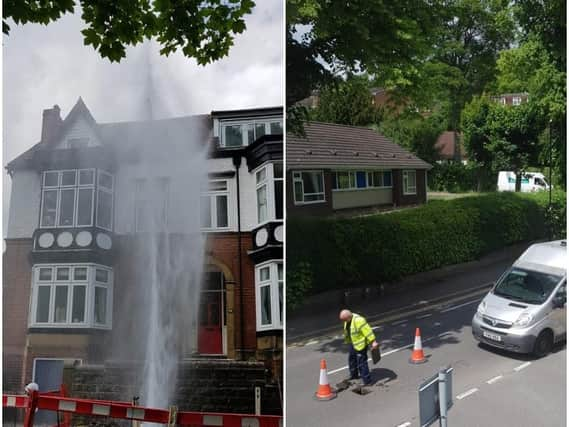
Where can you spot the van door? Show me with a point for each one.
(559, 314)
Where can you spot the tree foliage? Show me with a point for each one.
(201, 30)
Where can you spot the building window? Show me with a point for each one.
(71, 295)
(214, 208)
(151, 204)
(68, 199)
(516, 100)
(358, 180)
(503, 100)
(308, 187)
(269, 191)
(409, 182)
(237, 134)
(269, 295)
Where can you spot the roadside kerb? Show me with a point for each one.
(387, 317)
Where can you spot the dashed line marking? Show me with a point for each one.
(467, 393)
(437, 324)
(406, 424)
(424, 316)
(522, 366)
(375, 327)
(311, 343)
(493, 380)
(399, 322)
(458, 306)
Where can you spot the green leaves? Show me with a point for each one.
(203, 30)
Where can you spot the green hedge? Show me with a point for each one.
(339, 253)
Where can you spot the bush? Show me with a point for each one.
(367, 251)
(455, 177)
(298, 284)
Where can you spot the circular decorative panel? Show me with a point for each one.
(279, 233)
(84, 238)
(104, 241)
(46, 240)
(261, 237)
(65, 239)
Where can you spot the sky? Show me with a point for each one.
(48, 65)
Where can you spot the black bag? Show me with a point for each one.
(375, 355)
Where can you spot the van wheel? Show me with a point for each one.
(543, 344)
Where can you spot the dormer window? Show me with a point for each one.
(68, 198)
(242, 133)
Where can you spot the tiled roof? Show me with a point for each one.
(446, 148)
(329, 145)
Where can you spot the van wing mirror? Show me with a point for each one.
(559, 301)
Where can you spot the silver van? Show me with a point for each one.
(525, 310)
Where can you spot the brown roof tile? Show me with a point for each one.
(329, 145)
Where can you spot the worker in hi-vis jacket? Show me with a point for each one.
(360, 336)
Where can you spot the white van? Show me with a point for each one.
(525, 310)
(531, 181)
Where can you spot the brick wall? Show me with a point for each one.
(400, 199)
(16, 284)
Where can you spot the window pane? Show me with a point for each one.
(45, 274)
(67, 207)
(265, 274)
(62, 273)
(343, 180)
(276, 128)
(51, 179)
(85, 206)
(266, 305)
(100, 305)
(298, 195)
(86, 177)
(232, 137)
(312, 182)
(60, 308)
(105, 180)
(262, 203)
(104, 209)
(259, 130)
(279, 199)
(250, 133)
(101, 275)
(78, 308)
(42, 310)
(280, 271)
(205, 208)
(49, 209)
(278, 170)
(80, 273)
(313, 197)
(68, 178)
(222, 211)
(281, 302)
(361, 179)
(261, 175)
(387, 179)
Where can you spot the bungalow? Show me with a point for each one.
(335, 167)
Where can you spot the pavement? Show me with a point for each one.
(490, 387)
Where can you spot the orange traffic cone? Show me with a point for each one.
(324, 391)
(417, 356)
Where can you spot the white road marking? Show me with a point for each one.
(424, 316)
(407, 424)
(311, 342)
(399, 322)
(459, 306)
(376, 327)
(437, 324)
(493, 380)
(522, 366)
(467, 393)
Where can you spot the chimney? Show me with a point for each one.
(51, 124)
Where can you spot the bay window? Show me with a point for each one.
(308, 187)
(71, 296)
(68, 199)
(269, 295)
(269, 192)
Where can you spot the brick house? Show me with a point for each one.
(78, 207)
(511, 99)
(336, 167)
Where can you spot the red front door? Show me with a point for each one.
(210, 339)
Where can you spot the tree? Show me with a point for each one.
(347, 102)
(202, 30)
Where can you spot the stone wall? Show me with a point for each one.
(203, 385)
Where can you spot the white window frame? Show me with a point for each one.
(273, 283)
(212, 195)
(297, 177)
(90, 284)
(407, 189)
(503, 100)
(269, 182)
(353, 173)
(244, 124)
(110, 191)
(516, 100)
